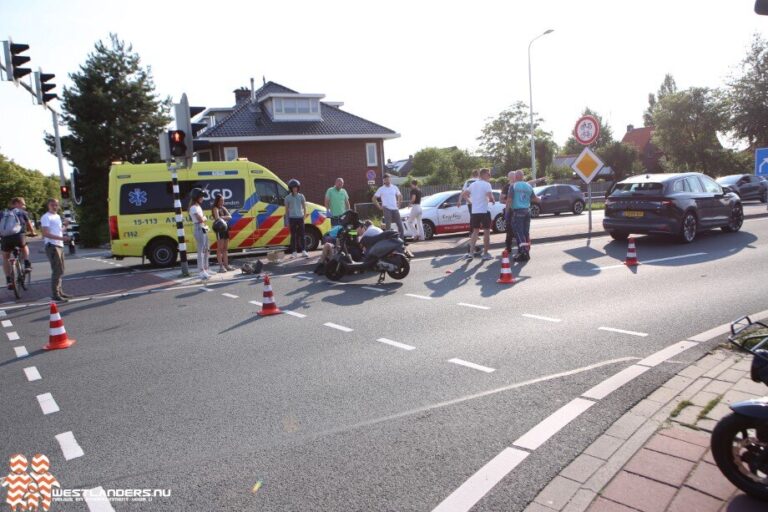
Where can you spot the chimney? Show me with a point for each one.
(253, 92)
(630, 128)
(242, 94)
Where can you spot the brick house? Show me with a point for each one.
(641, 139)
(298, 136)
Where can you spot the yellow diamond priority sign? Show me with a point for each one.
(587, 165)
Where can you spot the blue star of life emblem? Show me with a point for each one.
(137, 197)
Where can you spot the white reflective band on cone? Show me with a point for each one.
(55, 316)
(57, 331)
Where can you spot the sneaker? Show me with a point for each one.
(59, 299)
(229, 269)
(66, 296)
(486, 257)
(204, 276)
(222, 270)
(305, 254)
(469, 256)
(294, 255)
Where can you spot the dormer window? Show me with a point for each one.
(293, 107)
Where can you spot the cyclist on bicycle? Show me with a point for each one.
(14, 224)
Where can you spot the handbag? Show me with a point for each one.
(220, 225)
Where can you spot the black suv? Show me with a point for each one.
(674, 204)
(558, 198)
(746, 186)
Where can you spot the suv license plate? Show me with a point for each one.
(633, 214)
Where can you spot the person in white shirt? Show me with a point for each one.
(390, 197)
(480, 193)
(200, 231)
(54, 238)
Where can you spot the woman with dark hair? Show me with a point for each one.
(200, 230)
(295, 212)
(221, 218)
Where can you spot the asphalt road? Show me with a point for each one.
(187, 389)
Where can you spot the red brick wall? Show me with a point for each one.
(316, 164)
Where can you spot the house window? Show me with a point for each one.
(370, 153)
(296, 106)
(230, 154)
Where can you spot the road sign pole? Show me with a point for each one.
(589, 203)
(179, 220)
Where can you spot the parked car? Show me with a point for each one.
(557, 199)
(441, 215)
(746, 186)
(674, 204)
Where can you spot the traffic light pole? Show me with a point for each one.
(179, 220)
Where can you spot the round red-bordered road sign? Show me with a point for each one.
(587, 130)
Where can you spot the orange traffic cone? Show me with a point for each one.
(631, 254)
(268, 307)
(506, 271)
(57, 337)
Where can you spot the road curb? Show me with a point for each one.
(594, 475)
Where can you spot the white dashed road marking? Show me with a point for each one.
(47, 403)
(471, 365)
(230, 295)
(478, 485)
(538, 317)
(337, 326)
(32, 373)
(293, 313)
(657, 260)
(395, 344)
(472, 306)
(21, 351)
(205, 289)
(622, 331)
(255, 303)
(551, 425)
(7, 323)
(12, 336)
(422, 297)
(2, 312)
(69, 446)
(97, 501)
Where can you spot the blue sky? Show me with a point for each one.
(432, 71)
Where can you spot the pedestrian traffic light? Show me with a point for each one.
(42, 87)
(78, 187)
(176, 141)
(64, 192)
(13, 60)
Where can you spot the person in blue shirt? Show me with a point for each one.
(519, 201)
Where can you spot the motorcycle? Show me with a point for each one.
(383, 253)
(740, 440)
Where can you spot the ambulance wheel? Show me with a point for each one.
(311, 238)
(162, 252)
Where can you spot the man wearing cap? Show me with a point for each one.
(390, 197)
(336, 202)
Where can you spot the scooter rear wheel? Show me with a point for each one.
(741, 452)
(403, 268)
(334, 270)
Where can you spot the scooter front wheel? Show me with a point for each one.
(740, 448)
(403, 267)
(334, 270)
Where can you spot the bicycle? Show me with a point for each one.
(21, 278)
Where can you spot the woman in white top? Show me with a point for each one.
(200, 230)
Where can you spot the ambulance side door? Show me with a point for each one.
(270, 213)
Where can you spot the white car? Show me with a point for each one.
(441, 215)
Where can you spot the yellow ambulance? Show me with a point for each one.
(142, 222)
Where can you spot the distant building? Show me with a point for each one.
(298, 136)
(641, 139)
(400, 167)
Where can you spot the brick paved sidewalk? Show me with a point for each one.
(656, 457)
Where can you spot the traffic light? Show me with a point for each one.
(177, 145)
(13, 60)
(78, 187)
(42, 87)
(64, 192)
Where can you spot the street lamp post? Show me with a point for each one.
(530, 103)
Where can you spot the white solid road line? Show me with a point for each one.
(47, 403)
(97, 501)
(230, 296)
(472, 306)
(622, 331)
(478, 485)
(7, 323)
(551, 425)
(539, 317)
(32, 373)
(255, 303)
(396, 344)
(667, 353)
(422, 297)
(337, 326)
(69, 446)
(293, 313)
(306, 278)
(373, 289)
(471, 365)
(21, 351)
(12, 336)
(614, 382)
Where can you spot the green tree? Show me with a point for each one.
(112, 113)
(604, 139)
(436, 165)
(559, 173)
(668, 86)
(465, 162)
(621, 158)
(33, 186)
(686, 125)
(747, 96)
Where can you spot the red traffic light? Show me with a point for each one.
(176, 139)
(64, 192)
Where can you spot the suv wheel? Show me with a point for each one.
(578, 208)
(688, 228)
(736, 220)
(535, 210)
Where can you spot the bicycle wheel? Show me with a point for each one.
(14, 282)
(21, 276)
